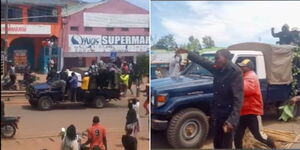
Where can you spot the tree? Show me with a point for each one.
(142, 62)
(166, 42)
(194, 44)
(208, 42)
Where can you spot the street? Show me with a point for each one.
(159, 141)
(38, 130)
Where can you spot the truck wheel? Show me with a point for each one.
(33, 103)
(45, 103)
(99, 101)
(188, 129)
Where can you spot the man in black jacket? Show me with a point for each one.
(228, 95)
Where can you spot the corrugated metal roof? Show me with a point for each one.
(72, 9)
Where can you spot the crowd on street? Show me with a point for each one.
(116, 75)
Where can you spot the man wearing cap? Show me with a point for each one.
(252, 108)
(228, 95)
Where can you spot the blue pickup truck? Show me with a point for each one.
(182, 107)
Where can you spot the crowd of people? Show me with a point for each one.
(125, 74)
(97, 135)
(9, 80)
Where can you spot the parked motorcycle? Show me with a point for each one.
(9, 126)
(7, 84)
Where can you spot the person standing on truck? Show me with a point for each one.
(252, 108)
(85, 81)
(50, 64)
(96, 135)
(73, 85)
(228, 95)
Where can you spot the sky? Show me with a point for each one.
(141, 3)
(226, 22)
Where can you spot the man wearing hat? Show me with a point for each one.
(252, 108)
(228, 95)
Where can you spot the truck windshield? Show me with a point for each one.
(197, 70)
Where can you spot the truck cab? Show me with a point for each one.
(182, 107)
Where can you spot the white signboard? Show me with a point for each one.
(157, 58)
(26, 29)
(116, 20)
(108, 43)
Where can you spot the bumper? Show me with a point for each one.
(159, 124)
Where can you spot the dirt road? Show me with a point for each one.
(159, 141)
(39, 129)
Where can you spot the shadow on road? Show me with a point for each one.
(159, 140)
(73, 106)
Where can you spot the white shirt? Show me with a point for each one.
(136, 107)
(67, 144)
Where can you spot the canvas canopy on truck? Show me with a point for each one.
(278, 60)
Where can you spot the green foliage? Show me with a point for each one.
(142, 62)
(193, 45)
(166, 42)
(208, 42)
(295, 71)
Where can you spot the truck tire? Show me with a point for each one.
(99, 102)
(45, 103)
(8, 130)
(188, 129)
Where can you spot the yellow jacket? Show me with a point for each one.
(125, 79)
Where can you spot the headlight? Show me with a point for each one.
(161, 99)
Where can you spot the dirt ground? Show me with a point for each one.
(38, 130)
(159, 141)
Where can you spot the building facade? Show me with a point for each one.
(31, 26)
(111, 28)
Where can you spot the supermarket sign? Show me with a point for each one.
(108, 43)
(26, 29)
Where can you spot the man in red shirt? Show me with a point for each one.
(96, 135)
(252, 108)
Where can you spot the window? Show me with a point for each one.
(197, 70)
(109, 29)
(124, 29)
(88, 29)
(74, 28)
(42, 14)
(253, 59)
(146, 29)
(14, 13)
